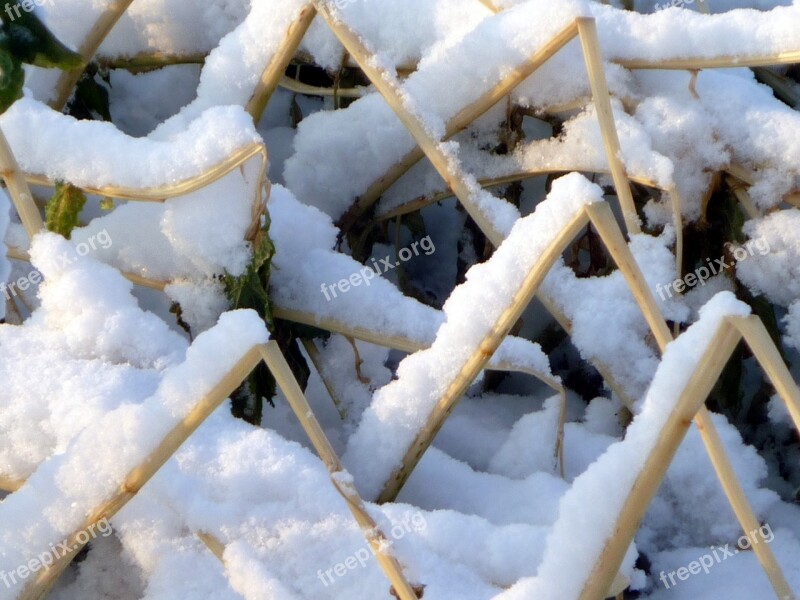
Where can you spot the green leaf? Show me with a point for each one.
(415, 224)
(250, 290)
(63, 209)
(32, 42)
(90, 100)
(12, 77)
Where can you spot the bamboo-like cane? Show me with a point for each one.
(102, 27)
(488, 4)
(216, 547)
(715, 62)
(461, 121)
(793, 200)
(398, 342)
(170, 190)
(703, 379)
(656, 464)
(299, 87)
(759, 341)
(18, 185)
(590, 44)
(488, 182)
(8, 484)
(316, 359)
(38, 588)
(738, 189)
(149, 61)
(737, 498)
(276, 68)
(389, 87)
(742, 173)
(604, 369)
(376, 337)
(480, 357)
(603, 220)
(689, 63)
(138, 477)
(31, 218)
(147, 282)
(18, 190)
(294, 395)
(676, 202)
(784, 88)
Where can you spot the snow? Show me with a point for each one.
(96, 154)
(607, 324)
(629, 35)
(734, 120)
(774, 272)
(358, 153)
(583, 527)
(126, 382)
(99, 371)
(471, 312)
(579, 148)
(793, 325)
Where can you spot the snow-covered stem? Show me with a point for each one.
(729, 480)
(214, 546)
(149, 61)
(172, 190)
(390, 88)
(313, 353)
(18, 189)
(690, 406)
(423, 201)
(606, 372)
(10, 485)
(360, 333)
(397, 342)
(101, 28)
(676, 201)
(738, 189)
(713, 62)
(590, 43)
(276, 68)
(760, 343)
(655, 467)
(139, 476)
(463, 119)
(282, 372)
(458, 386)
(299, 87)
(604, 222)
(147, 282)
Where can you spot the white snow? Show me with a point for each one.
(400, 409)
(99, 371)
